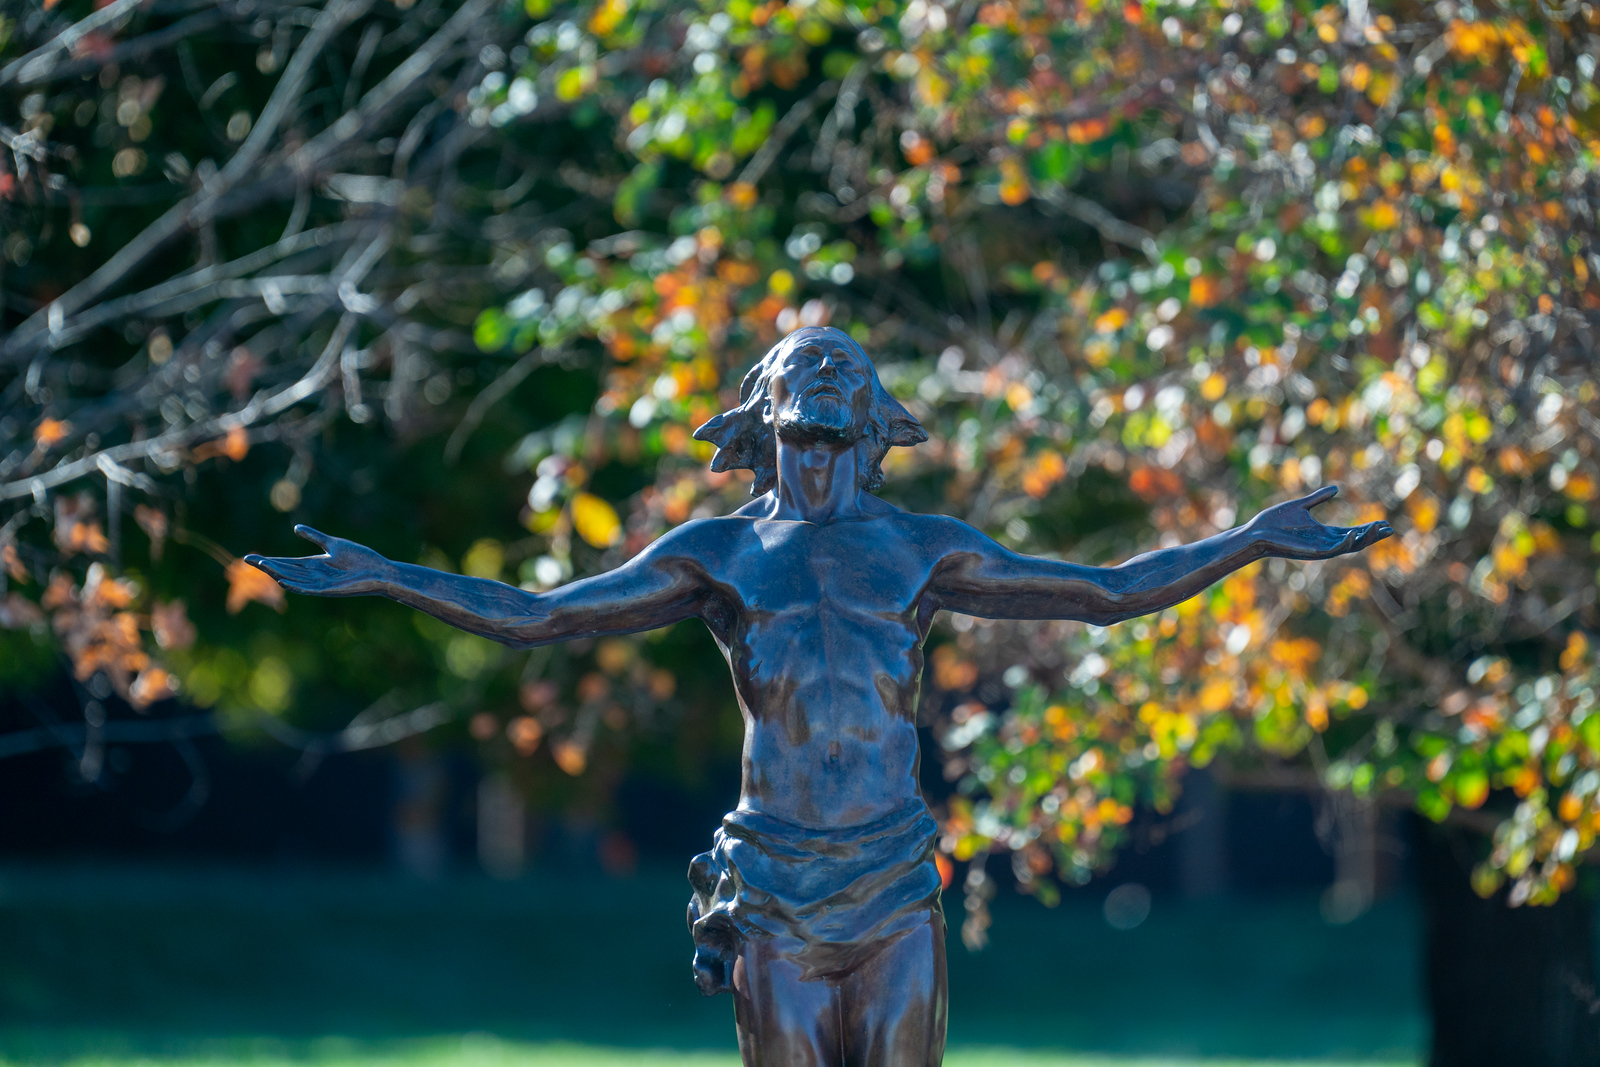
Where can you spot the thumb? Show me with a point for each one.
(316, 537)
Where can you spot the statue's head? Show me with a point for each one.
(814, 386)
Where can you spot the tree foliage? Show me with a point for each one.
(1140, 269)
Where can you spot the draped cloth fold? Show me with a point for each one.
(837, 896)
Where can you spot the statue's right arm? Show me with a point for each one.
(656, 588)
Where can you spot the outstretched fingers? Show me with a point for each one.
(1372, 533)
(286, 572)
(1355, 538)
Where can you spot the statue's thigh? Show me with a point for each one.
(783, 1021)
(894, 1007)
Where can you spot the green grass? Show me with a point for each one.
(120, 967)
(476, 1050)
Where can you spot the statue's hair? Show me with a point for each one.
(745, 440)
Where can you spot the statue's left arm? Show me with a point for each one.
(981, 577)
(658, 587)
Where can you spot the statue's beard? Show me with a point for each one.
(819, 417)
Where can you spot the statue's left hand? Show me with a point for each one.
(1288, 530)
(344, 569)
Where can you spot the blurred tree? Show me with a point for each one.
(244, 247)
(1139, 268)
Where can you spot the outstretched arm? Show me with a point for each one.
(980, 577)
(657, 587)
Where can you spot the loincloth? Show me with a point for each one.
(840, 895)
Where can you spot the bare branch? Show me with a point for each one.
(334, 17)
(116, 732)
(1104, 222)
(37, 65)
(508, 380)
(257, 409)
(786, 128)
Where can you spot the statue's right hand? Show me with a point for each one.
(344, 569)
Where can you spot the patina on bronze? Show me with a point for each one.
(818, 905)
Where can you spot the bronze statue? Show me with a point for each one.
(818, 906)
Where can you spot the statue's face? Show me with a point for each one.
(820, 388)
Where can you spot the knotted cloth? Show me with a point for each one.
(839, 895)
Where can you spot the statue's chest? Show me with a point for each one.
(786, 567)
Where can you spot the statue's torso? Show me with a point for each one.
(823, 629)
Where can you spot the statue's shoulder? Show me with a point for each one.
(932, 530)
(701, 537)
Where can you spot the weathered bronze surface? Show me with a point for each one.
(818, 906)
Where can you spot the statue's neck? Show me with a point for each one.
(818, 481)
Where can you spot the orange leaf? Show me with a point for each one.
(1013, 183)
(154, 523)
(171, 625)
(18, 613)
(61, 591)
(13, 563)
(152, 684)
(524, 732)
(570, 757)
(1204, 291)
(918, 149)
(50, 432)
(1088, 130)
(1152, 482)
(235, 445)
(246, 583)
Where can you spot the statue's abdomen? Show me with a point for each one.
(829, 699)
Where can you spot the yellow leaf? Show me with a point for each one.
(1216, 695)
(484, 559)
(1424, 512)
(1111, 321)
(1013, 183)
(1317, 712)
(1577, 648)
(595, 520)
(607, 16)
(570, 85)
(1383, 216)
